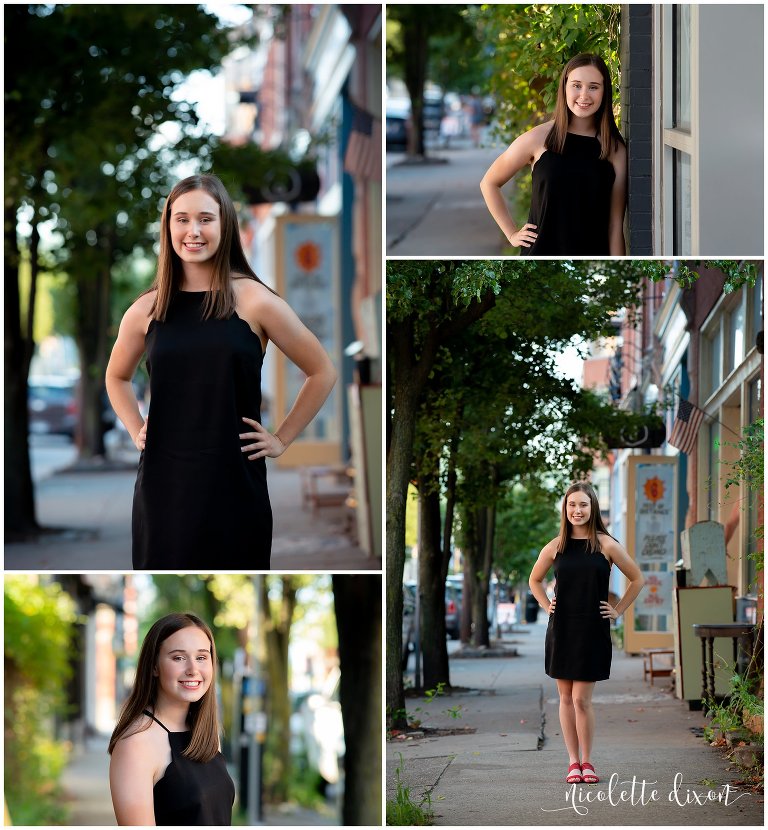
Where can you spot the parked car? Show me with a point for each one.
(52, 405)
(453, 594)
(398, 123)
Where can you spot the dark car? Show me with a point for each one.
(52, 404)
(397, 132)
(453, 594)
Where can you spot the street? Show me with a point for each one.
(511, 770)
(435, 208)
(95, 509)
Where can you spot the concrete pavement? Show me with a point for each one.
(435, 209)
(95, 507)
(511, 771)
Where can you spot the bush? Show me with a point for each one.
(39, 630)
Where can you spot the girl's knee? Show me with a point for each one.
(583, 704)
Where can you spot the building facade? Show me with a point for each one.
(695, 134)
(704, 346)
(312, 87)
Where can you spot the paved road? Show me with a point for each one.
(436, 209)
(511, 770)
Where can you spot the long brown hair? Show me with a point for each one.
(608, 132)
(595, 524)
(229, 257)
(203, 716)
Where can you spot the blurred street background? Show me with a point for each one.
(283, 103)
(302, 653)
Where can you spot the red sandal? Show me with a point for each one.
(589, 777)
(574, 777)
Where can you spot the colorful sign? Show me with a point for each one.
(656, 596)
(655, 514)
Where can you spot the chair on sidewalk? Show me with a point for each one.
(664, 669)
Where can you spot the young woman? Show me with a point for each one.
(578, 642)
(201, 492)
(166, 768)
(579, 179)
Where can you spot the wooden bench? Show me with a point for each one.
(334, 492)
(664, 670)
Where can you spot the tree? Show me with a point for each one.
(80, 159)
(411, 30)
(470, 351)
(39, 635)
(431, 307)
(531, 45)
(357, 600)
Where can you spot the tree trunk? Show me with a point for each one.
(408, 380)
(20, 517)
(92, 326)
(469, 557)
(357, 599)
(432, 587)
(482, 575)
(415, 70)
(278, 634)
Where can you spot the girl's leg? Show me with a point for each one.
(568, 719)
(584, 715)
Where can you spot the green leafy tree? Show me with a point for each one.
(532, 43)
(39, 635)
(79, 128)
(412, 32)
(475, 403)
(526, 519)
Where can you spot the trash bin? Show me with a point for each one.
(531, 608)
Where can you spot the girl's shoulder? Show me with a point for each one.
(550, 549)
(248, 289)
(540, 132)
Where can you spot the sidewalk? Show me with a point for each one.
(436, 209)
(497, 776)
(96, 508)
(86, 786)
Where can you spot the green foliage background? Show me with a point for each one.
(528, 46)
(39, 634)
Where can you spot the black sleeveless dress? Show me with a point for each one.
(578, 642)
(571, 200)
(190, 793)
(198, 502)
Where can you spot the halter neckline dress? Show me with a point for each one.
(198, 502)
(191, 793)
(571, 200)
(578, 642)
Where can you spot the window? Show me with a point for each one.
(681, 77)
(715, 360)
(681, 176)
(736, 323)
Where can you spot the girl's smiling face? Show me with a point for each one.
(184, 669)
(578, 509)
(195, 226)
(584, 91)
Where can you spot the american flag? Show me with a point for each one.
(363, 156)
(687, 423)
